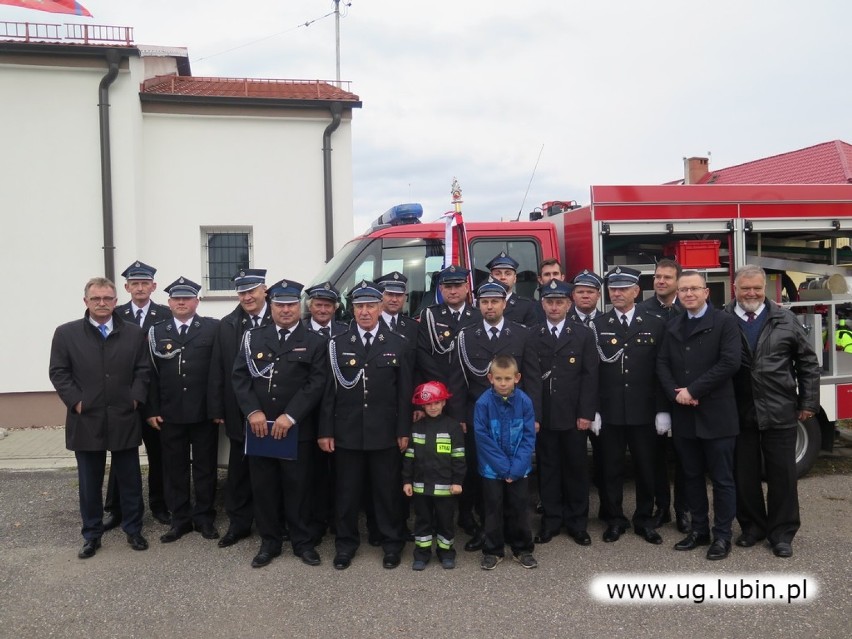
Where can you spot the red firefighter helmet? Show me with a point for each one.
(430, 392)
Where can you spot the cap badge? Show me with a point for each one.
(242, 273)
(396, 276)
(502, 253)
(284, 284)
(553, 284)
(138, 264)
(327, 286)
(181, 280)
(618, 269)
(453, 268)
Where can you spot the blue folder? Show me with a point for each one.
(285, 448)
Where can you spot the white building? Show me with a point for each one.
(203, 176)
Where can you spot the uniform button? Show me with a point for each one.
(107, 375)
(687, 372)
(275, 386)
(184, 389)
(626, 371)
(277, 359)
(274, 398)
(687, 348)
(366, 365)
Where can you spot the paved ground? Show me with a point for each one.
(192, 588)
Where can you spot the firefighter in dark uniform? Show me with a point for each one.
(279, 378)
(569, 367)
(394, 288)
(323, 302)
(144, 312)
(436, 341)
(365, 420)
(252, 311)
(478, 344)
(181, 350)
(665, 305)
(631, 403)
(519, 309)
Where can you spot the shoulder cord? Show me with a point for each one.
(606, 360)
(152, 346)
(266, 372)
(465, 360)
(339, 379)
(433, 336)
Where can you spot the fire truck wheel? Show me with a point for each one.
(807, 445)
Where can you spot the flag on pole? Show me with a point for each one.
(51, 6)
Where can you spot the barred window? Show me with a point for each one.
(226, 251)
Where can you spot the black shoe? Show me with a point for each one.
(475, 543)
(175, 533)
(390, 560)
(719, 549)
(545, 536)
(661, 516)
(613, 533)
(207, 530)
(692, 541)
(580, 537)
(264, 557)
(137, 541)
(650, 535)
(310, 557)
(782, 549)
(162, 516)
(230, 538)
(342, 561)
(89, 548)
(111, 520)
(683, 523)
(747, 540)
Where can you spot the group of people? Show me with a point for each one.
(440, 414)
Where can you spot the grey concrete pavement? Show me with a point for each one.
(191, 588)
(39, 449)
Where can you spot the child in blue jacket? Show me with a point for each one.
(504, 430)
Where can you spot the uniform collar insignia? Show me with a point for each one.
(168, 327)
(352, 339)
(611, 321)
(381, 337)
(638, 318)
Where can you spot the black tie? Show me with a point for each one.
(139, 319)
(393, 323)
(750, 316)
(326, 331)
(456, 315)
(624, 323)
(495, 333)
(554, 332)
(183, 330)
(368, 341)
(282, 335)
(587, 320)
(256, 320)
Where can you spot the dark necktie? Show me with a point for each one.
(139, 319)
(282, 335)
(456, 316)
(624, 323)
(326, 331)
(554, 332)
(587, 319)
(104, 331)
(368, 341)
(495, 333)
(393, 323)
(256, 320)
(183, 330)
(750, 316)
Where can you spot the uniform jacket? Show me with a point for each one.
(405, 326)
(107, 375)
(653, 306)
(373, 413)
(156, 313)
(180, 382)
(296, 380)
(704, 363)
(479, 350)
(781, 376)
(336, 327)
(221, 399)
(505, 435)
(437, 332)
(569, 374)
(628, 388)
(521, 310)
(573, 317)
(434, 460)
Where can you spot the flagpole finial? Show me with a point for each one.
(456, 192)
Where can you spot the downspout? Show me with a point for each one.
(336, 112)
(113, 58)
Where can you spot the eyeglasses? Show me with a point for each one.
(691, 289)
(102, 300)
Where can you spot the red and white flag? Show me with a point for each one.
(51, 6)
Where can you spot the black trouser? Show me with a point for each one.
(662, 488)
(715, 457)
(379, 472)
(238, 497)
(189, 461)
(276, 480)
(433, 516)
(597, 474)
(563, 470)
(321, 490)
(776, 518)
(470, 500)
(156, 487)
(90, 475)
(506, 507)
(642, 443)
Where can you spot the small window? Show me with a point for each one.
(225, 251)
(525, 250)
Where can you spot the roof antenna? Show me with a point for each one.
(524, 201)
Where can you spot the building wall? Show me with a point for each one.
(172, 174)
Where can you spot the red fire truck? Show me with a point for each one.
(796, 232)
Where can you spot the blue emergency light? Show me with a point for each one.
(400, 214)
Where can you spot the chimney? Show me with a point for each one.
(694, 169)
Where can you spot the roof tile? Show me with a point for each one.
(247, 88)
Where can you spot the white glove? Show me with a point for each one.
(596, 424)
(663, 423)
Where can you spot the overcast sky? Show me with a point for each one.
(617, 92)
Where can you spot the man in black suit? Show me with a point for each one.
(252, 311)
(100, 369)
(549, 269)
(504, 269)
(142, 311)
(569, 366)
(365, 420)
(181, 349)
(477, 345)
(279, 379)
(699, 357)
(394, 288)
(631, 403)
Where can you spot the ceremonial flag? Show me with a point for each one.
(51, 6)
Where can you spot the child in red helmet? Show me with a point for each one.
(432, 472)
